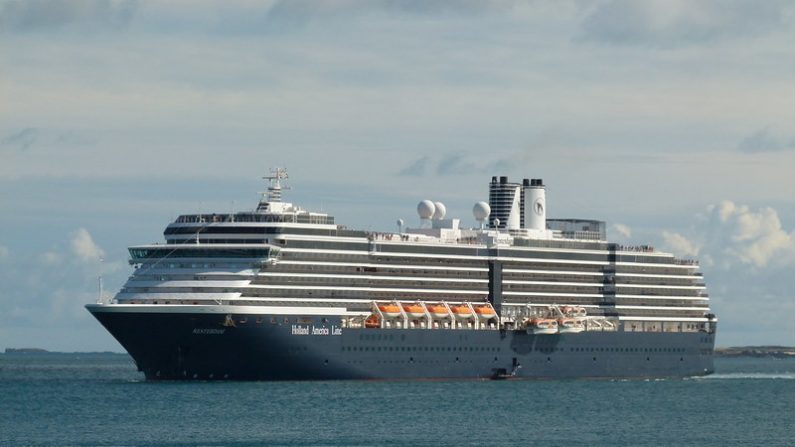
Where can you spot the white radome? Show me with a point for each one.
(481, 211)
(440, 212)
(425, 209)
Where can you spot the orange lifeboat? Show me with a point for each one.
(389, 310)
(461, 311)
(414, 310)
(485, 312)
(372, 322)
(438, 311)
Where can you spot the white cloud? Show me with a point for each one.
(43, 15)
(50, 258)
(84, 248)
(4, 253)
(764, 140)
(680, 22)
(753, 237)
(730, 235)
(680, 245)
(622, 230)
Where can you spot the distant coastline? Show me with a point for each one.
(39, 351)
(26, 351)
(756, 351)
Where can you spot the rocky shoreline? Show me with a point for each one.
(756, 351)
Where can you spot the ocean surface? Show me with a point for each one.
(100, 399)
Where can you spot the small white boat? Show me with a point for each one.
(542, 326)
(570, 325)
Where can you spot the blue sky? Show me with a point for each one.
(671, 120)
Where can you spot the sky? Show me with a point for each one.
(671, 120)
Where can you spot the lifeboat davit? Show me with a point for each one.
(389, 310)
(372, 322)
(438, 311)
(485, 312)
(414, 310)
(461, 311)
(570, 325)
(543, 326)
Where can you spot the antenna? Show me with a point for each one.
(99, 280)
(274, 193)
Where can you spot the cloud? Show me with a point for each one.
(43, 295)
(731, 235)
(622, 230)
(22, 139)
(753, 237)
(4, 253)
(455, 163)
(84, 248)
(763, 140)
(671, 23)
(28, 137)
(227, 18)
(50, 258)
(73, 138)
(680, 245)
(458, 163)
(47, 15)
(310, 9)
(416, 168)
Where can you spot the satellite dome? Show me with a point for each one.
(441, 210)
(425, 209)
(481, 211)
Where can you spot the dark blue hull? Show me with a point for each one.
(208, 346)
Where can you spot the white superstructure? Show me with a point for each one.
(281, 256)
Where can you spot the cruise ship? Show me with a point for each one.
(284, 293)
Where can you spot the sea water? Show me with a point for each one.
(100, 399)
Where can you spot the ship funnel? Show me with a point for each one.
(505, 202)
(535, 206)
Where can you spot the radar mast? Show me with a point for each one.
(274, 192)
